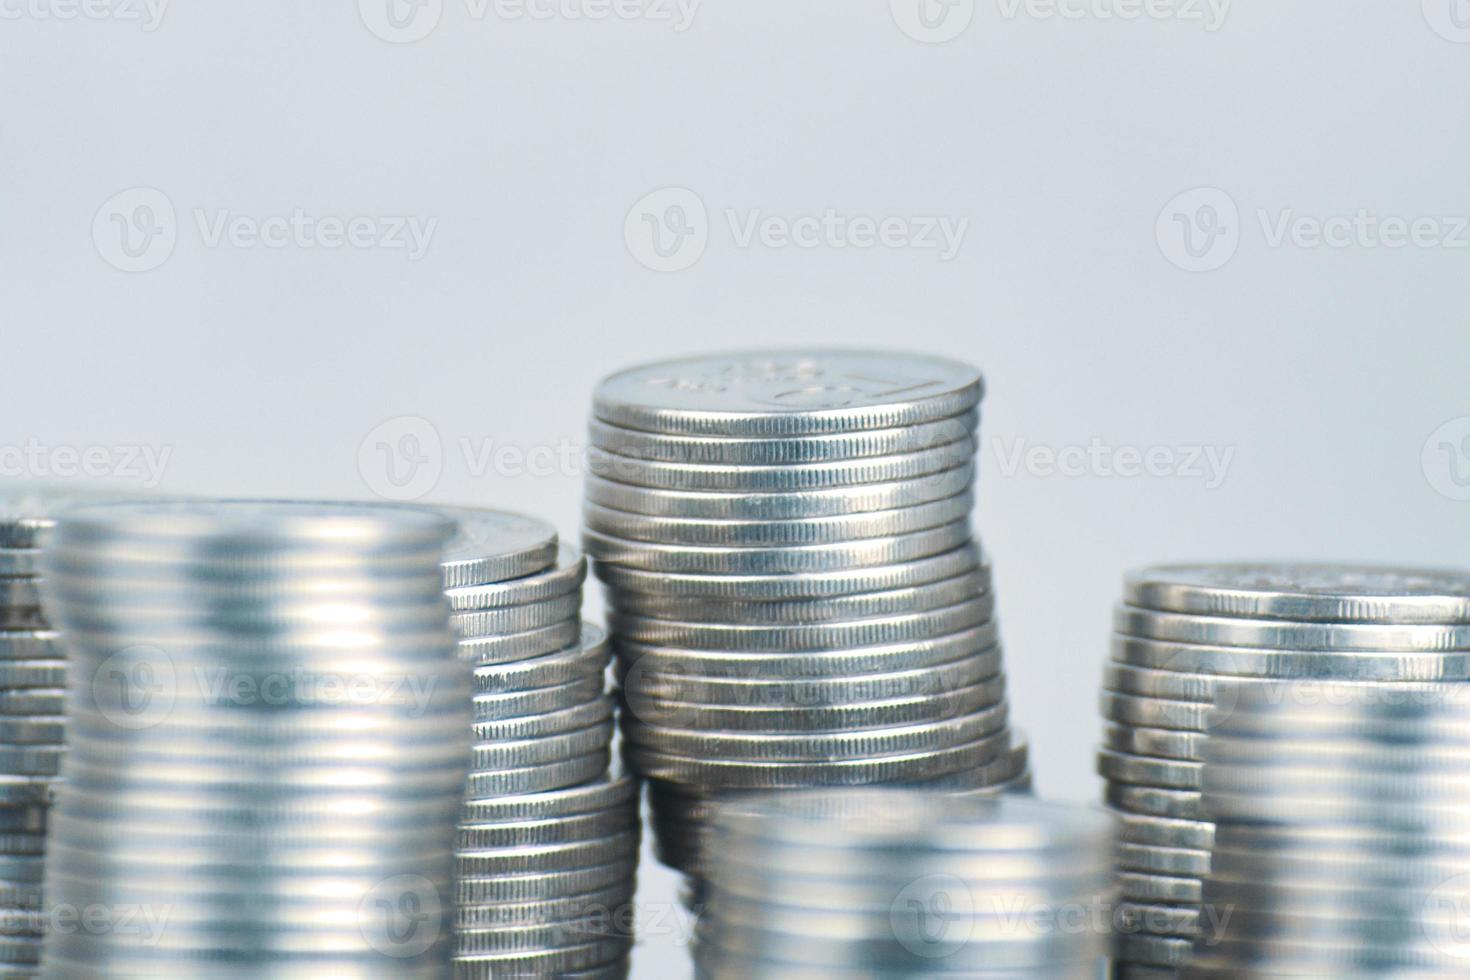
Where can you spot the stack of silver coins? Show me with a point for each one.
(32, 706)
(893, 883)
(267, 741)
(1180, 631)
(797, 599)
(548, 841)
(1342, 840)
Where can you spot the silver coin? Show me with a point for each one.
(516, 619)
(1305, 593)
(1171, 685)
(1177, 861)
(554, 831)
(1155, 712)
(773, 775)
(511, 647)
(809, 693)
(547, 857)
(1139, 770)
(1158, 742)
(20, 562)
(563, 962)
(519, 704)
(489, 757)
(1163, 832)
(1153, 950)
(1179, 804)
(537, 726)
(589, 660)
(535, 886)
(32, 673)
(797, 637)
(492, 546)
(937, 464)
(604, 792)
(563, 578)
(829, 747)
(1157, 920)
(28, 510)
(781, 450)
(768, 561)
(1160, 888)
(636, 659)
(537, 779)
(779, 505)
(793, 587)
(19, 592)
(774, 394)
(32, 645)
(1221, 661)
(31, 760)
(1225, 631)
(768, 534)
(793, 716)
(933, 595)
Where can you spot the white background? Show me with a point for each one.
(1062, 140)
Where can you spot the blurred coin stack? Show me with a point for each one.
(1180, 632)
(266, 742)
(796, 596)
(548, 841)
(32, 723)
(889, 883)
(1342, 840)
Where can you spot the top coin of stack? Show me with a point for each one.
(547, 850)
(267, 738)
(32, 726)
(888, 883)
(796, 596)
(1180, 631)
(1342, 841)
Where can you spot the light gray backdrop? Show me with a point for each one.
(1212, 257)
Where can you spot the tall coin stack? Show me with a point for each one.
(266, 742)
(1342, 839)
(888, 883)
(32, 722)
(1180, 632)
(548, 841)
(796, 596)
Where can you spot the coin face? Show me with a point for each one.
(491, 546)
(787, 393)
